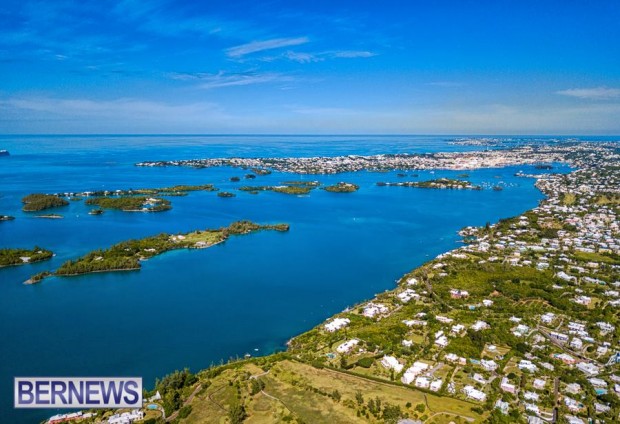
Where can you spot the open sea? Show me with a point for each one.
(250, 294)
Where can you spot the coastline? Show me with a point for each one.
(364, 341)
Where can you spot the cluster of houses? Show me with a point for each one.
(521, 155)
(127, 417)
(572, 237)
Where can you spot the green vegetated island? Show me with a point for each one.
(38, 202)
(439, 184)
(10, 257)
(520, 324)
(287, 187)
(6, 218)
(130, 203)
(342, 187)
(127, 255)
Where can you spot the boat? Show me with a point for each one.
(4, 153)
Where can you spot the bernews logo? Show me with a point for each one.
(72, 392)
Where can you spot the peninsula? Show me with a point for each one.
(127, 255)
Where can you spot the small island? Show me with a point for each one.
(286, 189)
(127, 255)
(261, 171)
(97, 211)
(235, 179)
(10, 257)
(38, 202)
(6, 218)
(50, 216)
(131, 203)
(226, 194)
(342, 188)
(440, 183)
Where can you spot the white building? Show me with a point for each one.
(480, 325)
(489, 365)
(588, 369)
(547, 318)
(347, 346)
(126, 417)
(525, 365)
(475, 394)
(407, 295)
(436, 385)
(392, 363)
(413, 371)
(422, 382)
(337, 324)
(371, 310)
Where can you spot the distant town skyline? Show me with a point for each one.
(348, 67)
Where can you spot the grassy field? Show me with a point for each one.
(299, 393)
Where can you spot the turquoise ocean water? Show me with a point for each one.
(248, 295)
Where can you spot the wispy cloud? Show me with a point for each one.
(259, 46)
(352, 54)
(224, 79)
(301, 57)
(597, 93)
(308, 57)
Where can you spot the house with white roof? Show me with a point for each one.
(407, 295)
(347, 346)
(525, 365)
(422, 382)
(371, 310)
(436, 385)
(588, 368)
(392, 363)
(413, 371)
(475, 394)
(337, 324)
(488, 365)
(547, 318)
(480, 325)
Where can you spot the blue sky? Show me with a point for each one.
(394, 67)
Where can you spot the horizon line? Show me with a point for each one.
(303, 135)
